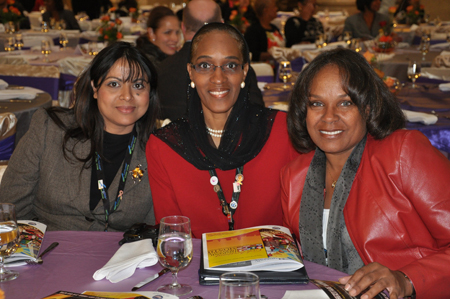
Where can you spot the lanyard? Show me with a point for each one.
(101, 177)
(228, 209)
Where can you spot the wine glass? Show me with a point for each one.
(19, 41)
(93, 48)
(175, 251)
(44, 27)
(63, 40)
(413, 72)
(285, 72)
(234, 285)
(46, 49)
(356, 45)
(424, 46)
(320, 40)
(10, 44)
(9, 238)
(347, 37)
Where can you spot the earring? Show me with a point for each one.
(242, 84)
(192, 84)
(153, 40)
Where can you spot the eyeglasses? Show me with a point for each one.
(229, 68)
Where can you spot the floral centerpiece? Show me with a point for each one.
(109, 31)
(237, 18)
(10, 13)
(414, 14)
(385, 41)
(134, 14)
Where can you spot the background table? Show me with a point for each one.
(70, 267)
(24, 110)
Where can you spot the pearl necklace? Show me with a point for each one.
(214, 133)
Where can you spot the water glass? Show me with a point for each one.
(92, 48)
(175, 251)
(234, 285)
(413, 72)
(19, 41)
(347, 37)
(63, 40)
(424, 46)
(285, 72)
(9, 239)
(44, 27)
(356, 45)
(320, 41)
(46, 49)
(10, 42)
(10, 27)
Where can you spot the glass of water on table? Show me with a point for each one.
(175, 250)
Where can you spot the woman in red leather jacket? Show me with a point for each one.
(366, 197)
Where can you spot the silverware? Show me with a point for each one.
(195, 297)
(150, 279)
(39, 259)
(15, 87)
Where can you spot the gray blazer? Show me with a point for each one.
(358, 26)
(43, 184)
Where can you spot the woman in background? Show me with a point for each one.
(220, 166)
(84, 168)
(367, 197)
(55, 10)
(163, 35)
(303, 28)
(366, 24)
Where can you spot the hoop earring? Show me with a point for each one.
(192, 84)
(242, 84)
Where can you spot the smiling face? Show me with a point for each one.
(120, 102)
(217, 91)
(167, 35)
(333, 121)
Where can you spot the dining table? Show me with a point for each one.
(71, 265)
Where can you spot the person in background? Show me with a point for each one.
(263, 35)
(55, 10)
(303, 28)
(84, 168)
(366, 24)
(93, 8)
(31, 5)
(172, 72)
(163, 35)
(366, 197)
(124, 7)
(220, 166)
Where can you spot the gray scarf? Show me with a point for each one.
(341, 252)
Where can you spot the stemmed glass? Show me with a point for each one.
(347, 37)
(175, 250)
(234, 285)
(93, 49)
(356, 44)
(44, 27)
(285, 72)
(413, 72)
(9, 238)
(424, 46)
(320, 41)
(19, 41)
(63, 40)
(10, 44)
(46, 49)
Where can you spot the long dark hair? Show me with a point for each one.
(376, 104)
(88, 122)
(157, 14)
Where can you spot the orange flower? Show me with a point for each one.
(106, 36)
(100, 31)
(118, 21)
(112, 9)
(243, 9)
(386, 39)
(409, 8)
(119, 35)
(392, 9)
(421, 6)
(132, 9)
(10, 2)
(105, 19)
(5, 10)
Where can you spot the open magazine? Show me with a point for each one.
(31, 235)
(261, 248)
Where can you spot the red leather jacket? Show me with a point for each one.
(398, 210)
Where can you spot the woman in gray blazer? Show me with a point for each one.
(84, 168)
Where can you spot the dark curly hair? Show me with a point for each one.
(362, 5)
(377, 105)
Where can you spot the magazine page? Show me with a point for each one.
(31, 235)
(261, 248)
(335, 290)
(109, 295)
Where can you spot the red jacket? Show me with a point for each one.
(398, 210)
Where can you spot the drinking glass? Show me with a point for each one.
(234, 285)
(10, 44)
(175, 251)
(44, 27)
(347, 37)
(19, 41)
(320, 40)
(413, 72)
(46, 49)
(92, 48)
(285, 72)
(356, 45)
(424, 46)
(9, 238)
(63, 40)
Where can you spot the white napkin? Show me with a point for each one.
(384, 56)
(305, 294)
(280, 53)
(3, 84)
(303, 47)
(440, 46)
(425, 118)
(139, 254)
(261, 85)
(23, 94)
(444, 86)
(281, 107)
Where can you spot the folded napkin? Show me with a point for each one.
(442, 60)
(261, 85)
(425, 118)
(303, 47)
(305, 294)
(440, 73)
(139, 254)
(444, 87)
(281, 54)
(23, 94)
(440, 46)
(384, 56)
(3, 84)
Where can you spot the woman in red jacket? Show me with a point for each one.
(366, 198)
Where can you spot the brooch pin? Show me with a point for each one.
(137, 173)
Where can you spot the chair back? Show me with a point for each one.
(8, 124)
(42, 77)
(263, 71)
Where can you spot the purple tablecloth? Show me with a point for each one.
(70, 267)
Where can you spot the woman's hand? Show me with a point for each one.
(378, 278)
